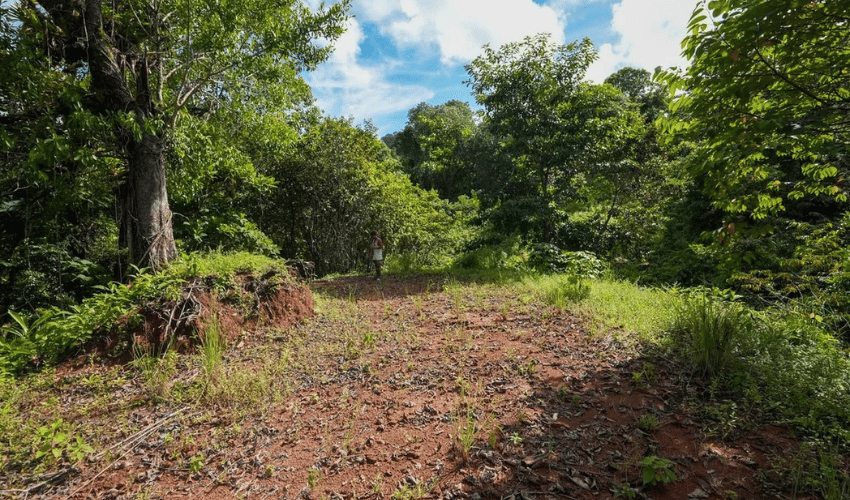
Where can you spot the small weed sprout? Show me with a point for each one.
(465, 428)
(157, 373)
(647, 422)
(657, 470)
(494, 437)
(196, 463)
(314, 477)
(646, 376)
(462, 386)
(625, 491)
(378, 484)
(522, 417)
(528, 369)
(516, 439)
(411, 492)
(563, 392)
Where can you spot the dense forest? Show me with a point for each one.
(133, 134)
(138, 134)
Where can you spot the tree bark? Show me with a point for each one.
(145, 224)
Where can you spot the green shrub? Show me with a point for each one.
(508, 255)
(229, 232)
(548, 258)
(39, 275)
(565, 289)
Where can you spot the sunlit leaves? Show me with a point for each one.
(430, 147)
(554, 126)
(767, 85)
(339, 183)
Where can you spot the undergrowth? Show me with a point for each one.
(31, 343)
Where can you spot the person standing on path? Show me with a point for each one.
(377, 247)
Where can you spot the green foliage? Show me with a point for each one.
(339, 185)
(805, 266)
(657, 470)
(554, 128)
(214, 181)
(563, 290)
(229, 232)
(55, 184)
(51, 334)
(780, 361)
(508, 255)
(764, 91)
(764, 96)
(223, 264)
(801, 373)
(548, 258)
(816, 470)
(85, 129)
(638, 86)
(709, 330)
(39, 275)
(430, 147)
(56, 440)
(611, 304)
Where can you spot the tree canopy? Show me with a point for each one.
(554, 126)
(142, 64)
(429, 147)
(768, 91)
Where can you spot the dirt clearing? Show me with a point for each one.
(408, 388)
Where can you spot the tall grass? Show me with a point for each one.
(780, 361)
(212, 347)
(777, 360)
(709, 330)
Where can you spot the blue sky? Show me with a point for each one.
(398, 53)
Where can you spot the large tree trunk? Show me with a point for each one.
(146, 218)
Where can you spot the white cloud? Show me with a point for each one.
(345, 87)
(646, 34)
(458, 29)
(650, 35)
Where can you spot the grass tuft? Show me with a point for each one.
(708, 330)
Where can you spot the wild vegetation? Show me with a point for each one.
(164, 158)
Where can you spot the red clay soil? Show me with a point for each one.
(560, 413)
